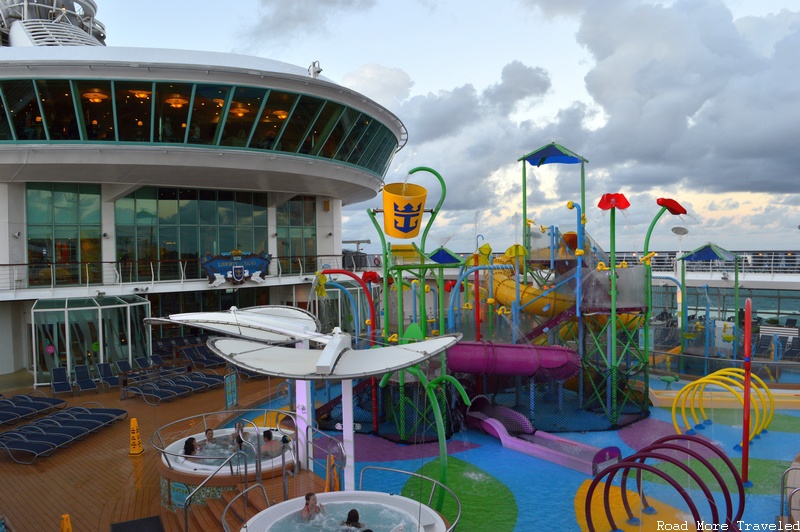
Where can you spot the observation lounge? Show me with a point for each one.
(124, 170)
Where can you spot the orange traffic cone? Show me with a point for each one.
(66, 525)
(136, 440)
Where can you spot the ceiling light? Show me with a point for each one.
(95, 95)
(281, 114)
(239, 109)
(176, 100)
(141, 94)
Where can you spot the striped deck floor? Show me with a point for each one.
(94, 480)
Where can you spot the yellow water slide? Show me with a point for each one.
(533, 299)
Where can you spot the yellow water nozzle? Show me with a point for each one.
(646, 258)
(570, 205)
(601, 266)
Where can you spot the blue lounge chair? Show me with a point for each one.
(27, 402)
(107, 378)
(87, 422)
(131, 375)
(30, 450)
(92, 414)
(8, 417)
(143, 363)
(38, 395)
(40, 434)
(196, 359)
(59, 381)
(83, 379)
(90, 408)
(151, 393)
(209, 358)
(22, 411)
(61, 427)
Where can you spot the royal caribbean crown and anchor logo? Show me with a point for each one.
(406, 219)
(236, 267)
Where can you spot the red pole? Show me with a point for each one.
(746, 415)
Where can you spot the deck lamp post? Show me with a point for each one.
(676, 209)
(681, 232)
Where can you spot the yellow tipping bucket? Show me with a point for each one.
(403, 205)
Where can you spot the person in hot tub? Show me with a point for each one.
(311, 508)
(190, 447)
(271, 447)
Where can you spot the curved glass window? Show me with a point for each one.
(205, 114)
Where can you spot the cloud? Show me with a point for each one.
(387, 86)
(517, 82)
(279, 20)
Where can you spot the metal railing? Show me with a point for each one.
(187, 503)
(786, 502)
(435, 484)
(245, 494)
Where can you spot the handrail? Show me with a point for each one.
(187, 503)
(434, 484)
(783, 492)
(244, 492)
(333, 447)
(789, 509)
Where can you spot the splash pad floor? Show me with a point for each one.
(526, 493)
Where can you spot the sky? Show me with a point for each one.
(694, 100)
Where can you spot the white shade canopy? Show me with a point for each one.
(337, 363)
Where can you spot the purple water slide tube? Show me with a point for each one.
(554, 362)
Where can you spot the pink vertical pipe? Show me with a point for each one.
(748, 346)
(477, 302)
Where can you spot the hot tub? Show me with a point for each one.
(395, 510)
(208, 460)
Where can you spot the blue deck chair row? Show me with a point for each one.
(44, 436)
(22, 406)
(201, 357)
(155, 381)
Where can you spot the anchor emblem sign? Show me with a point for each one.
(408, 215)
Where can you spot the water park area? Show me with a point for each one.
(552, 352)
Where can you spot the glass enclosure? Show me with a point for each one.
(197, 114)
(69, 332)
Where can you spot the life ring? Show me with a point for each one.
(376, 261)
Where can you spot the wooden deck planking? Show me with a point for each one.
(94, 480)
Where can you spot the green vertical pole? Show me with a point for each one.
(648, 287)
